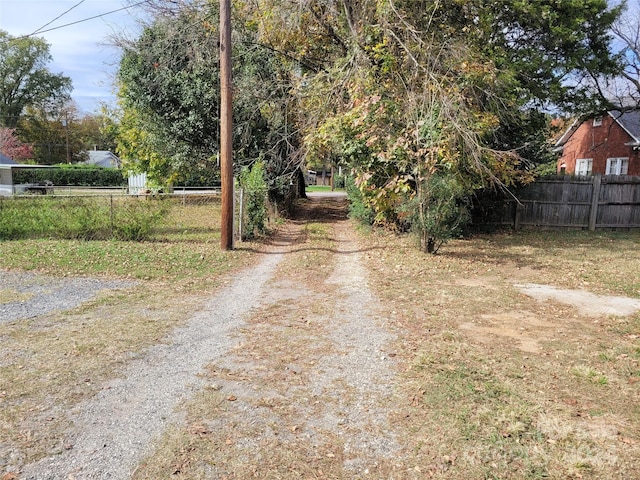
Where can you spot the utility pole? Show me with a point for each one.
(65, 124)
(226, 127)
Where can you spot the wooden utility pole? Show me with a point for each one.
(226, 127)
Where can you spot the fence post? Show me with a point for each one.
(111, 211)
(595, 197)
(516, 216)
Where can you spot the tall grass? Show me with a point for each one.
(82, 218)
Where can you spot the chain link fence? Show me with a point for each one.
(102, 213)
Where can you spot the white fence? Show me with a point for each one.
(138, 184)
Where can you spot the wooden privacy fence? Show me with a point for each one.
(595, 202)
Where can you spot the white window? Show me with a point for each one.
(597, 121)
(584, 166)
(617, 166)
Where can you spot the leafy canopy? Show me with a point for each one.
(405, 91)
(25, 80)
(169, 92)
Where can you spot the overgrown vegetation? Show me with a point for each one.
(169, 92)
(438, 211)
(83, 218)
(182, 247)
(254, 186)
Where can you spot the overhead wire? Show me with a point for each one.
(58, 17)
(42, 30)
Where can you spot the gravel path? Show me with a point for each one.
(41, 294)
(118, 428)
(361, 361)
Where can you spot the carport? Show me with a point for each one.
(6, 175)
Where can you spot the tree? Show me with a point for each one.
(12, 147)
(626, 89)
(408, 92)
(98, 131)
(25, 80)
(169, 93)
(55, 133)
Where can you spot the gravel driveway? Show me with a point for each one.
(39, 294)
(118, 428)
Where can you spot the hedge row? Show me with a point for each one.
(75, 175)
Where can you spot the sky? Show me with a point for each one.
(81, 50)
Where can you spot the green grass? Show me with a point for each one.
(182, 246)
(87, 218)
(319, 188)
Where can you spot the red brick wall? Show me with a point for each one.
(599, 143)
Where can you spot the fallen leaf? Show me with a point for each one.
(199, 430)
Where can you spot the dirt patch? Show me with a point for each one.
(524, 328)
(530, 330)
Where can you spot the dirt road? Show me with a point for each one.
(292, 349)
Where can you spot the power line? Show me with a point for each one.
(39, 31)
(59, 16)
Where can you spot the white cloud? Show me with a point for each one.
(79, 51)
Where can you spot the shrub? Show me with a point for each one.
(439, 210)
(340, 181)
(358, 208)
(76, 175)
(135, 220)
(252, 180)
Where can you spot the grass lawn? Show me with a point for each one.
(499, 384)
(320, 188)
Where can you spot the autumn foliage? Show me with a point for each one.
(12, 147)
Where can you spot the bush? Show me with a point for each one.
(136, 220)
(358, 208)
(439, 212)
(83, 218)
(340, 181)
(252, 180)
(76, 175)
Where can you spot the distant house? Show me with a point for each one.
(4, 160)
(607, 144)
(103, 158)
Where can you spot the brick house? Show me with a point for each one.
(607, 144)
